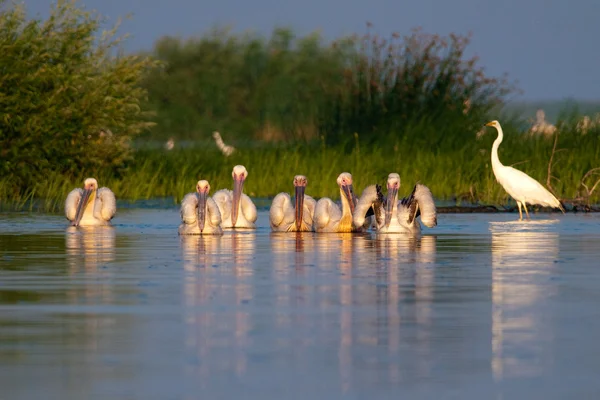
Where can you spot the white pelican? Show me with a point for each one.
(225, 149)
(90, 206)
(194, 208)
(237, 210)
(393, 216)
(285, 217)
(541, 126)
(520, 186)
(328, 215)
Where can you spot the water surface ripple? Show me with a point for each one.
(481, 306)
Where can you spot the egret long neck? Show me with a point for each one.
(496, 164)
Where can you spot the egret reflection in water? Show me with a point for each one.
(523, 260)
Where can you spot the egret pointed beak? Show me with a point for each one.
(349, 193)
(85, 199)
(202, 196)
(389, 205)
(299, 205)
(238, 185)
(489, 124)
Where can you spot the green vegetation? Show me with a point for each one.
(67, 103)
(71, 107)
(464, 174)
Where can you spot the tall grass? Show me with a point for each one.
(463, 174)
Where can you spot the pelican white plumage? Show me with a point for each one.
(237, 209)
(330, 217)
(541, 126)
(225, 149)
(393, 216)
(90, 206)
(194, 210)
(520, 186)
(285, 217)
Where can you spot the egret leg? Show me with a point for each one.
(526, 212)
(520, 213)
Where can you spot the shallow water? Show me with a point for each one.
(481, 306)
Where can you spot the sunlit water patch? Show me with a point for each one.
(482, 306)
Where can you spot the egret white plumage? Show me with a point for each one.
(200, 214)
(90, 206)
(237, 209)
(520, 186)
(330, 217)
(393, 216)
(225, 149)
(297, 217)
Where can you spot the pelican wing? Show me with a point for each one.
(326, 213)
(371, 202)
(282, 211)
(73, 199)
(223, 198)
(213, 212)
(248, 208)
(309, 210)
(419, 203)
(106, 208)
(189, 204)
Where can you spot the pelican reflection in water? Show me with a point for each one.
(208, 260)
(523, 258)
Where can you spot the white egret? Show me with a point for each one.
(285, 217)
(237, 209)
(194, 210)
(225, 149)
(90, 206)
(520, 186)
(393, 216)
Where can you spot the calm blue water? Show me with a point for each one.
(480, 307)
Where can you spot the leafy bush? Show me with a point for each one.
(68, 103)
(300, 88)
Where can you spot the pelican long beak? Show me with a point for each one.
(389, 205)
(85, 199)
(238, 185)
(349, 193)
(299, 205)
(202, 210)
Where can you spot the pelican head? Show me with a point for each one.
(202, 187)
(239, 175)
(344, 181)
(90, 185)
(300, 182)
(393, 184)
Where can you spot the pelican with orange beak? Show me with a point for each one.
(286, 216)
(393, 216)
(200, 214)
(90, 206)
(237, 210)
(330, 217)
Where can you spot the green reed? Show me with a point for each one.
(463, 174)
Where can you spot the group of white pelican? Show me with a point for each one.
(230, 209)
